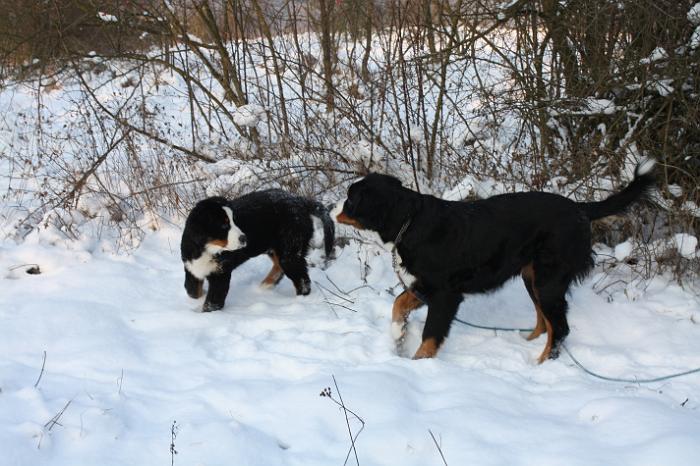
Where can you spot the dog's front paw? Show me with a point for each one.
(555, 351)
(209, 306)
(398, 331)
(303, 288)
(265, 285)
(428, 349)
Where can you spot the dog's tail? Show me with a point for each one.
(618, 203)
(321, 212)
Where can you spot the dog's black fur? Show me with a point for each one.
(272, 221)
(452, 248)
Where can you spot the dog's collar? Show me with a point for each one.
(403, 229)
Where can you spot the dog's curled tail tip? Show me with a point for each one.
(645, 166)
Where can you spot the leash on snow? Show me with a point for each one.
(581, 366)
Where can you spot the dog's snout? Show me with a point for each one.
(243, 239)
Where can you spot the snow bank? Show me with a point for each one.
(128, 355)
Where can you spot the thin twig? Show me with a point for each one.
(43, 364)
(335, 294)
(54, 420)
(325, 300)
(327, 393)
(331, 303)
(334, 285)
(347, 422)
(438, 447)
(340, 305)
(173, 436)
(120, 381)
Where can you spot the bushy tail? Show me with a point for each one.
(320, 211)
(618, 203)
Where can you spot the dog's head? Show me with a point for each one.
(370, 202)
(210, 229)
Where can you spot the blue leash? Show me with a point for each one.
(581, 366)
(516, 329)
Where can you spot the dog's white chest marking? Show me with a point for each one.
(203, 266)
(206, 264)
(405, 277)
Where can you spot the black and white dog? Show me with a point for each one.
(221, 234)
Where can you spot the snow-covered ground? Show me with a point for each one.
(129, 355)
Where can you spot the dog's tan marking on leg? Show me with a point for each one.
(540, 326)
(550, 338)
(543, 324)
(403, 305)
(200, 289)
(275, 274)
(427, 349)
(528, 274)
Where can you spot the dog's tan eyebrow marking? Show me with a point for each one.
(343, 218)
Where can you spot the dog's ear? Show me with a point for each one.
(213, 200)
(194, 238)
(382, 179)
(192, 244)
(393, 181)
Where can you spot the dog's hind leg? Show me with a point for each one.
(528, 274)
(553, 304)
(442, 309)
(276, 273)
(403, 305)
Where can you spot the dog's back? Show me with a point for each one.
(263, 213)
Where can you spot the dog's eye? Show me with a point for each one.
(354, 202)
(224, 226)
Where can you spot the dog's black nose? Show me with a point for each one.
(243, 239)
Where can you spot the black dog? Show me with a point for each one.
(222, 234)
(451, 248)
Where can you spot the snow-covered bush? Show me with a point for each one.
(460, 99)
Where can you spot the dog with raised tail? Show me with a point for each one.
(445, 249)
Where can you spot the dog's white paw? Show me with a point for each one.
(398, 331)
